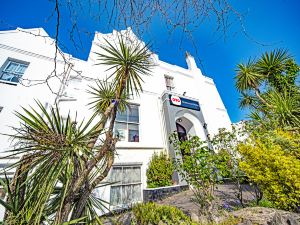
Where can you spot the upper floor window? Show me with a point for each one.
(127, 124)
(169, 83)
(13, 70)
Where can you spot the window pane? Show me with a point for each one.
(116, 174)
(133, 134)
(128, 176)
(136, 193)
(131, 175)
(121, 116)
(11, 67)
(8, 76)
(127, 194)
(133, 112)
(136, 175)
(120, 131)
(169, 82)
(21, 69)
(115, 195)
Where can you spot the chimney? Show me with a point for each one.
(190, 61)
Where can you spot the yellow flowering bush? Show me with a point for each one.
(272, 161)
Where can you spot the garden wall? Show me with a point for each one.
(156, 194)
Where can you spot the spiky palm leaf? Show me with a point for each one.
(247, 76)
(103, 93)
(129, 62)
(248, 100)
(270, 64)
(287, 108)
(55, 151)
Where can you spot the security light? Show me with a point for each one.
(179, 120)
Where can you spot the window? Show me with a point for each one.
(169, 83)
(127, 124)
(13, 70)
(127, 190)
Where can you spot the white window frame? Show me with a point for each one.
(127, 123)
(121, 184)
(13, 73)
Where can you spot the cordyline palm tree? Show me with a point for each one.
(272, 65)
(268, 87)
(54, 148)
(248, 78)
(62, 161)
(128, 64)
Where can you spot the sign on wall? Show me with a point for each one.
(184, 102)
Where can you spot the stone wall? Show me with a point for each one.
(156, 194)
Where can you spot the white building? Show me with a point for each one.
(174, 98)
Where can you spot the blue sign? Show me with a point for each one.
(184, 102)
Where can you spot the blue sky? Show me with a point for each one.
(274, 23)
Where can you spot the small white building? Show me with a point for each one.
(174, 99)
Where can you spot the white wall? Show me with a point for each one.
(39, 53)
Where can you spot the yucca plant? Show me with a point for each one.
(63, 161)
(269, 89)
(53, 150)
(103, 93)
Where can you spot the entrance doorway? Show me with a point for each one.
(182, 136)
(181, 131)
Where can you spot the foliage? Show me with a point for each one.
(225, 144)
(263, 203)
(200, 167)
(223, 159)
(270, 158)
(160, 171)
(269, 89)
(128, 63)
(152, 213)
(230, 220)
(102, 94)
(272, 161)
(54, 148)
(63, 161)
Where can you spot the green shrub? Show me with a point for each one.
(272, 161)
(262, 203)
(200, 167)
(160, 170)
(151, 213)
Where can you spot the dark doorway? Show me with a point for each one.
(181, 132)
(182, 136)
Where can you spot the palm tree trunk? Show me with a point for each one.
(80, 205)
(257, 93)
(63, 215)
(78, 211)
